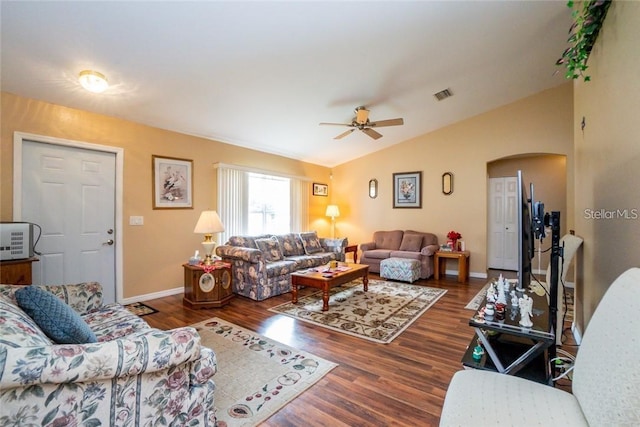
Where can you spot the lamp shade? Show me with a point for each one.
(209, 222)
(333, 211)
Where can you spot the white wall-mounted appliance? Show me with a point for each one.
(16, 240)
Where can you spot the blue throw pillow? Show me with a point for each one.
(56, 319)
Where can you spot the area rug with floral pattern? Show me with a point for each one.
(379, 315)
(256, 375)
(478, 299)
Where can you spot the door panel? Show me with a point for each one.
(70, 193)
(502, 246)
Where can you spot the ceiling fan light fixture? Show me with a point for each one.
(362, 123)
(93, 81)
(362, 115)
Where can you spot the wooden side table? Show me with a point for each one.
(16, 271)
(354, 250)
(207, 290)
(440, 264)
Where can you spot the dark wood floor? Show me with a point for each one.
(398, 384)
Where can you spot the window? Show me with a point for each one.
(269, 200)
(252, 202)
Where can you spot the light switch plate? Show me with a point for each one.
(136, 220)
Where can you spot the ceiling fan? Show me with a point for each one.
(361, 122)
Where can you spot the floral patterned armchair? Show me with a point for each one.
(133, 376)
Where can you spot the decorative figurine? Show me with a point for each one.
(514, 299)
(489, 310)
(502, 297)
(526, 311)
(478, 352)
(500, 308)
(491, 293)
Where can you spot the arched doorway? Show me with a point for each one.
(548, 174)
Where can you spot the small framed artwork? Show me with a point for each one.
(172, 183)
(407, 190)
(447, 183)
(320, 189)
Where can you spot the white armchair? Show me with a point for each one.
(606, 377)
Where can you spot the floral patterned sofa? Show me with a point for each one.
(262, 265)
(132, 376)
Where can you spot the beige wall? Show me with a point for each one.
(153, 253)
(607, 155)
(537, 124)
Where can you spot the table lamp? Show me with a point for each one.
(208, 223)
(333, 212)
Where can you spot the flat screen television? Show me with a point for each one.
(525, 234)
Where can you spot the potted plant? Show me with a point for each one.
(588, 17)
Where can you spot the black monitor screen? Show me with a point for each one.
(525, 235)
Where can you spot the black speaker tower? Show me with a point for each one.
(556, 255)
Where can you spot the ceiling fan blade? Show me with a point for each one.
(390, 122)
(372, 133)
(336, 124)
(343, 134)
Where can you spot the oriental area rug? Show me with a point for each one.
(478, 300)
(256, 375)
(379, 315)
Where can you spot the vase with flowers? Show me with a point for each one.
(453, 237)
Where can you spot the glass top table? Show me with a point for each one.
(510, 347)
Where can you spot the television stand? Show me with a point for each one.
(512, 349)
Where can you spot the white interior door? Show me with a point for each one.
(503, 224)
(70, 192)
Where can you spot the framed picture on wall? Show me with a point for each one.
(407, 190)
(320, 189)
(172, 183)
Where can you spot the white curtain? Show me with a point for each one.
(233, 200)
(299, 205)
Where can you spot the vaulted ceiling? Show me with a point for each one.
(264, 74)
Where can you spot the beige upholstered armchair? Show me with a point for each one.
(606, 377)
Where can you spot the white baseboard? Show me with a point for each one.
(577, 335)
(471, 274)
(569, 285)
(154, 295)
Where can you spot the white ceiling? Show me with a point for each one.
(263, 74)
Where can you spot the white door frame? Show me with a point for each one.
(20, 137)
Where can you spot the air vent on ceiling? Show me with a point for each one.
(443, 94)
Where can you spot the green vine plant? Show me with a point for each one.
(588, 16)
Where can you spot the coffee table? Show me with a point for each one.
(316, 279)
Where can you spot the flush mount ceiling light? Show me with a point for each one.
(93, 81)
